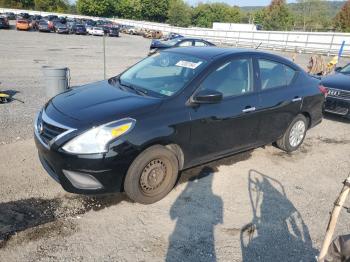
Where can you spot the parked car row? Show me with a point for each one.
(60, 25)
(147, 33)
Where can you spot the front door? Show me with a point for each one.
(232, 124)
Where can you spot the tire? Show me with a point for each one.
(141, 176)
(290, 142)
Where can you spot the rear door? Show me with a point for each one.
(280, 98)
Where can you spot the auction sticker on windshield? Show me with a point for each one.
(188, 64)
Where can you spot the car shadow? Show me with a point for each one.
(23, 214)
(187, 174)
(197, 211)
(277, 229)
(337, 118)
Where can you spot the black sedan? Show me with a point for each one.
(80, 30)
(338, 96)
(177, 109)
(158, 45)
(43, 26)
(4, 23)
(61, 28)
(113, 31)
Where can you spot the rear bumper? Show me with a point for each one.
(337, 106)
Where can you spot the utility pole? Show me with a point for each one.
(104, 57)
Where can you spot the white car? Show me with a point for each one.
(89, 30)
(97, 31)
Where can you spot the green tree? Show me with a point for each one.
(342, 20)
(25, 4)
(130, 9)
(155, 10)
(311, 15)
(96, 7)
(52, 5)
(205, 14)
(277, 16)
(179, 13)
(259, 16)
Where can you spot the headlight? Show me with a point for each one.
(96, 140)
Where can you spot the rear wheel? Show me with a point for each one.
(295, 134)
(152, 175)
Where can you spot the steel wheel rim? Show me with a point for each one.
(297, 133)
(154, 176)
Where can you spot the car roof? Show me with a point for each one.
(214, 53)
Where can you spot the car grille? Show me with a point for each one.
(48, 132)
(336, 107)
(337, 93)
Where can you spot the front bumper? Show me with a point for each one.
(337, 106)
(85, 174)
(62, 31)
(44, 29)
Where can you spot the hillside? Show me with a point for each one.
(332, 6)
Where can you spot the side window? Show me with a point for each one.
(231, 79)
(186, 43)
(274, 75)
(290, 73)
(199, 43)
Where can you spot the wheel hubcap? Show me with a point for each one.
(297, 133)
(153, 176)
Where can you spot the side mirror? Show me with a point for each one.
(207, 97)
(337, 69)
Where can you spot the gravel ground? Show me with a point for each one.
(261, 205)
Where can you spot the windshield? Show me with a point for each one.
(171, 42)
(346, 69)
(163, 74)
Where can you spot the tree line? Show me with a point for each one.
(306, 15)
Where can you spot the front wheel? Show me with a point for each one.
(152, 175)
(295, 134)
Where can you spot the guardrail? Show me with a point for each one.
(303, 42)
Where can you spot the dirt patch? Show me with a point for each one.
(26, 214)
(335, 141)
(304, 149)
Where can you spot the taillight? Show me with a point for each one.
(323, 90)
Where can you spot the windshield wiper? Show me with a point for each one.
(137, 90)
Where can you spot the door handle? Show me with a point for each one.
(296, 99)
(249, 109)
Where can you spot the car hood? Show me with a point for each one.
(337, 81)
(101, 102)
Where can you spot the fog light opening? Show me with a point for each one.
(82, 181)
